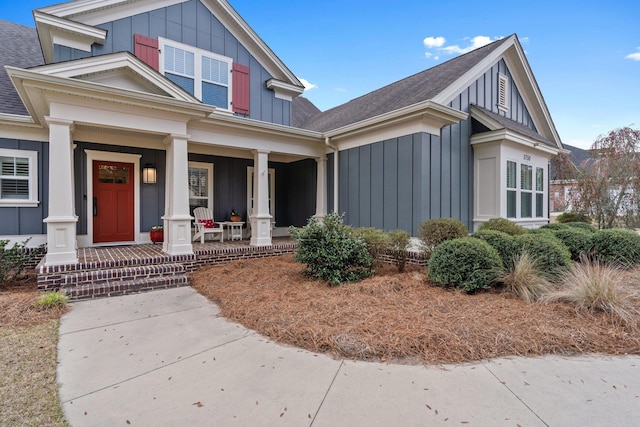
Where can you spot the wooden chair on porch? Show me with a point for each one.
(205, 225)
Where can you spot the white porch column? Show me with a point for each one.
(61, 221)
(261, 219)
(321, 187)
(176, 219)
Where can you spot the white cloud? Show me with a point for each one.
(437, 44)
(476, 42)
(524, 40)
(634, 56)
(431, 42)
(307, 84)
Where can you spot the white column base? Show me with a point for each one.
(261, 230)
(177, 235)
(61, 241)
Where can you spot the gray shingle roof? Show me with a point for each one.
(302, 110)
(19, 47)
(509, 124)
(411, 90)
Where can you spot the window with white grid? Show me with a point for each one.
(18, 178)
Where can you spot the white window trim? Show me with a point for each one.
(32, 201)
(197, 79)
(503, 83)
(518, 190)
(536, 191)
(272, 190)
(209, 168)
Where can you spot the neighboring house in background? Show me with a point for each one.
(117, 116)
(563, 179)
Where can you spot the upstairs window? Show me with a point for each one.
(205, 75)
(503, 92)
(18, 178)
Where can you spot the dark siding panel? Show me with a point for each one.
(391, 184)
(353, 188)
(405, 183)
(436, 178)
(377, 185)
(140, 24)
(296, 193)
(330, 176)
(277, 110)
(122, 35)
(364, 188)
(445, 173)
(343, 190)
(417, 182)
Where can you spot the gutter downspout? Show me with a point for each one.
(328, 143)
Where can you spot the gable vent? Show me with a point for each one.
(503, 95)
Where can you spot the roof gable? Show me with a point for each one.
(93, 12)
(411, 90)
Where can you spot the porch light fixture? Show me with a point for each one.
(149, 174)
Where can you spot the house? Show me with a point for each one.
(563, 172)
(117, 116)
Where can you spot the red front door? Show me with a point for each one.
(113, 192)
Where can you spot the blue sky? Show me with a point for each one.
(585, 54)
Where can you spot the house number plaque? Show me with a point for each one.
(527, 157)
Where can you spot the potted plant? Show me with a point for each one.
(157, 234)
(234, 216)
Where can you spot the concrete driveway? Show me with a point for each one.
(166, 358)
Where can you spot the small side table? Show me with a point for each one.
(234, 229)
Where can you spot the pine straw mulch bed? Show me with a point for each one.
(18, 306)
(400, 317)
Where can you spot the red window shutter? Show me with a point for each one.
(240, 98)
(146, 49)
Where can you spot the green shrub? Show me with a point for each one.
(14, 260)
(525, 278)
(398, 246)
(573, 217)
(582, 226)
(617, 246)
(554, 226)
(547, 231)
(502, 242)
(577, 240)
(432, 232)
(467, 263)
(52, 299)
(548, 251)
(376, 240)
(331, 251)
(504, 225)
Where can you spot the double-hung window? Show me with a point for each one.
(205, 75)
(525, 197)
(18, 178)
(200, 186)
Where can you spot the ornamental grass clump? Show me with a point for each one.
(331, 251)
(52, 299)
(600, 287)
(504, 225)
(467, 264)
(617, 246)
(525, 278)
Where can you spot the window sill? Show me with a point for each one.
(18, 204)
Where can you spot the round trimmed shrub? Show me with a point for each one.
(376, 240)
(573, 217)
(331, 251)
(554, 226)
(546, 231)
(582, 226)
(617, 246)
(504, 225)
(548, 252)
(578, 241)
(434, 231)
(468, 264)
(501, 242)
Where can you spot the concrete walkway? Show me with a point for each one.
(165, 358)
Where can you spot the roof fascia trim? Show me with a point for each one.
(53, 28)
(96, 64)
(442, 114)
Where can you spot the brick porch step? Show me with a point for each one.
(112, 288)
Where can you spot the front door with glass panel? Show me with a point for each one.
(113, 202)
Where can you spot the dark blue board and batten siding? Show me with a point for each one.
(400, 182)
(28, 220)
(193, 24)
